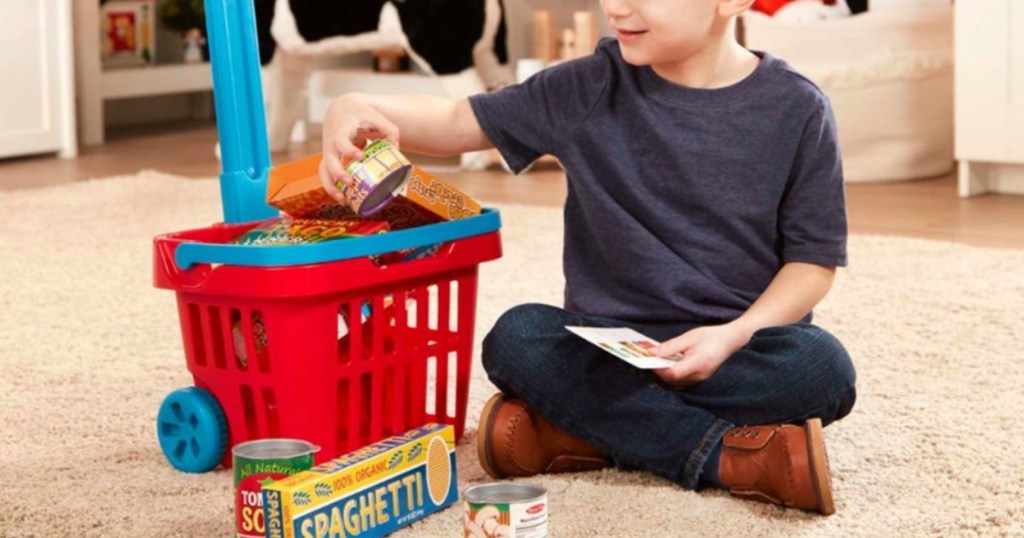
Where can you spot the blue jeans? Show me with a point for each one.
(785, 374)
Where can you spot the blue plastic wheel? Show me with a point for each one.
(192, 430)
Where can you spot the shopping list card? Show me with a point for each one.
(627, 345)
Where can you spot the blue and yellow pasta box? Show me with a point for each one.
(367, 493)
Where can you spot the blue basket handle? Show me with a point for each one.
(238, 97)
(188, 253)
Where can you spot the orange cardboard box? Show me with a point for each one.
(436, 196)
(295, 189)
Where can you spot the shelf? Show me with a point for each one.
(155, 80)
(327, 83)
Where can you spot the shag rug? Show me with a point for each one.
(88, 349)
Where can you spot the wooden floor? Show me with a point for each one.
(925, 208)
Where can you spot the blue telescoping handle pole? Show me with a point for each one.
(238, 97)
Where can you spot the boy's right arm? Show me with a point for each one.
(419, 123)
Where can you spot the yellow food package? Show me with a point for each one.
(367, 493)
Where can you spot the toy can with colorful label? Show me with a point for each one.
(375, 178)
(505, 510)
(261, 462)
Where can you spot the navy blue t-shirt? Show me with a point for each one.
(683, 203)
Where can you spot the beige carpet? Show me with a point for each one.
(88, 349)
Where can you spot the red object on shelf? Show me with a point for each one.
(769, 7)
(406, 364)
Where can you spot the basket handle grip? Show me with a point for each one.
(166, 271)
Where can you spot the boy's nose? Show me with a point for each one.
(616, 9)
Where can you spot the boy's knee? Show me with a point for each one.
(506, 340)
(843, 405)
(811, 353)
(836, 361)
(818, 374)
(838, 378)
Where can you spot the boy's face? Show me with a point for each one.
(652, 32)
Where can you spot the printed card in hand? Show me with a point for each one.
(626, 344)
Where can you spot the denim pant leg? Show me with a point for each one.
(595, 396)
(785, 374)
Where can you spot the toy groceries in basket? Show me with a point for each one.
(295, 189)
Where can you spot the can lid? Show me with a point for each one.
(267, 449)
(504, 492)
(384, 192)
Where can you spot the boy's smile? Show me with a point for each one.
(627, 35)
(656, 31)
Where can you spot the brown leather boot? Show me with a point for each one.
(779, 464)
(514, 440)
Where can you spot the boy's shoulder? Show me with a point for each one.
(793, 84)
(785, 80)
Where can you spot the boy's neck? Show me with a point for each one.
(722, 63)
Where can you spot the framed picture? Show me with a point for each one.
(127, 33)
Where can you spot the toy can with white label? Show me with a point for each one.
(505, 510)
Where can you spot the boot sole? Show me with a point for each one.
(483, 435)
(819, 466)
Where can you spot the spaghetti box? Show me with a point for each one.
(368, 493)
(295, 189)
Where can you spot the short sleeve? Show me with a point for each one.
(525, 121)
(812, 215)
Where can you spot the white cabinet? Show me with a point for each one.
(989, 42)
(36, 69)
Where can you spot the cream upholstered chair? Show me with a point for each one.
(889, 75)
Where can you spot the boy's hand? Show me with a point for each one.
(704, 350)
(348, 125)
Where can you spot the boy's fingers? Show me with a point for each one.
(388, 130)
(345, 147)
(381, 127)
(331, 172)
(681, 371)
(332, 164)
(676, 345)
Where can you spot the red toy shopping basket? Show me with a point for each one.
(340, 354)
(313, 342)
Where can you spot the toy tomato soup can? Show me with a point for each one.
(257, 463)
(505, 510)
(375, 178)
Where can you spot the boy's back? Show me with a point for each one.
(683, 203)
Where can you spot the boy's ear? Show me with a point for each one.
(732, 8)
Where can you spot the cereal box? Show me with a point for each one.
(295, 189)
(436, 196)
(367, 493)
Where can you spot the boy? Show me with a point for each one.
(705, 209)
